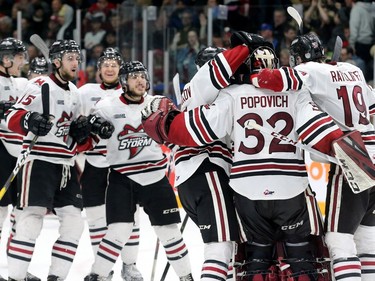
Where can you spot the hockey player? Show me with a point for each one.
(137, 175)
(340, 90)
(202, 173)
(94, 177)
(38, 66)
(13, 56)
(48, 179)
(272, 195)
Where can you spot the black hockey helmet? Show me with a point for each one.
(308, 47)
(110, 54)
(206, 54)
(38, 65)
(251, 40)
(60, 47)
(11, 46)
(262, 57)
(129, 68)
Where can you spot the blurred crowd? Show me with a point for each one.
(180, 26)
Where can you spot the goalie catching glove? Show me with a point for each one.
(157, 117)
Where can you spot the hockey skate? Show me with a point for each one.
(188, 277)
(31, 277)
(54, 278)
(130, 272)
(96, 277)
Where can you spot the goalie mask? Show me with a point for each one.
(132, 68)
(306, 47)
(207, 54)
(262, 57)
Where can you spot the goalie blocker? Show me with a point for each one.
(355, 161)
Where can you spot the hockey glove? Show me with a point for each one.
(80, 129)
(36, 123)
(252, 41)
(100, 127)
(4, 107)
(157, 117)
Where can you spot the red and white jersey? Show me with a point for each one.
(130, 150)
(89, 95)
(264, 168)
(338, 89)
(203, 89)
(57, 146)
(10, 90)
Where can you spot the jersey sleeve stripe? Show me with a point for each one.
(216, 78)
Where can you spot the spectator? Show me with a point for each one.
(186, 55)
(290, 33)
(97, 33)
(110, 39)
(284, 57)
(94, 54)
(314, 15)
(39, 19)
(266, 31)
(279, 23)
(347, 55)
(362, 32)
(65, 18)
(6, 27)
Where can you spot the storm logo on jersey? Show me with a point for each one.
(63, 124)
(134, 139)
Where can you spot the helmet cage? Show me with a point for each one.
(11, 47)
(110, 54)
(132, 68)
(262, 57)
(60, 47)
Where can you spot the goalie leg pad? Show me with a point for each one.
(355, 161)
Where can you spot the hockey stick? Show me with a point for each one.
(43, 48)
(22, 158)
(176, 88)
(296, 16)
(167, 266)
(155, 260)
(337, 49)
(41, 45)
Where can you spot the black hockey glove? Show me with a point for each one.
(251, 40)
(36, 123)
(4, 107)
(101, 127)
(80, 129)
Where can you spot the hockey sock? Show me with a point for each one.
(217, 256)
(97, 225)
(129, 252)
(110, 247)
(347, 269)
(175, 248)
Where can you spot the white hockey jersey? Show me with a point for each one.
(89, 95)
(264, 168)
(203, 89)
(130, 150)
(338, 89)
(10, 90)
(57, 146)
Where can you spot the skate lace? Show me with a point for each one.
(187, 278)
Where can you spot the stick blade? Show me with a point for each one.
(176, 88)
(296, 16)
(41, 45)
(337, 49)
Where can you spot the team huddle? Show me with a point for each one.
(237, 181)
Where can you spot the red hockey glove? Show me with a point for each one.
(157, 117)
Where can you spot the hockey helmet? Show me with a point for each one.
(262, 57)
(308, 47)
(110, 54)
(128, 68)
(38, 65)
(60, 47)
(11, 46)
(206, 54)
